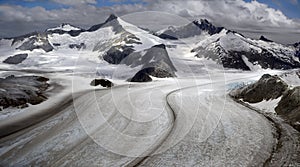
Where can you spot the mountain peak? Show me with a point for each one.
(97, 26)
(205, 25)
(64, 27)
(262, 38)
(111, 17)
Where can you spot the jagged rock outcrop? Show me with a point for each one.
(233, 50)
(18, 91)
(144, 74)
(197, 27)
(16, 59)
(141, 76)
(117, 53)
(268, 87)
(289, 107)
(262, 38)
(205, 25)
(37, 42)
(154, 61)
(297, 46)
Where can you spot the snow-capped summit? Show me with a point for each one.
(265, 39)
(233, 50)
(64, 27)
(195, 28)
(205, 25)
(115, 39)
(112, 17)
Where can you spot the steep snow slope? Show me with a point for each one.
(235, 51)
(232, 49)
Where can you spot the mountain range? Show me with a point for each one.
(118, 42)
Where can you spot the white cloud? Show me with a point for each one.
(75, 2)
(234, 14)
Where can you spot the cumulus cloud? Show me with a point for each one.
(236, 14)
(75, 2)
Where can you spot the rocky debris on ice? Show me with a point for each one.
(144, 74)
(103, 82)
(16, 59)
(17, 91)
(141, 76)
(77, 46)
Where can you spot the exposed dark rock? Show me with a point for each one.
(156, 56)
(56, 44)
(192, 29)
(265, 39)
(141, 76)
(102, 82)
(297, 47)
(272, 87)
(18, 91)
(77, 46)
(166, 36)
(36, 43)
(289, 107)
(205, 25)
(266, 88)
(265, 59)
(117, 53)
(22, 37)
(16, 59)
(234, 60)
(73, 33)
(109, 19)
(154, 61)
(234, 32)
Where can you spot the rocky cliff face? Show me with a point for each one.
(197, 27)
(18, 91)
(233, 50)
(289, 107)
(266, 88)
(270, 88)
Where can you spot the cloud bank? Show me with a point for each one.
(236, 14)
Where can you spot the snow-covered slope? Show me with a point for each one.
(194, 28)
(67, 47)
(64, 27)
(233, 50)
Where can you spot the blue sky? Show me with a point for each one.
(290, 8)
